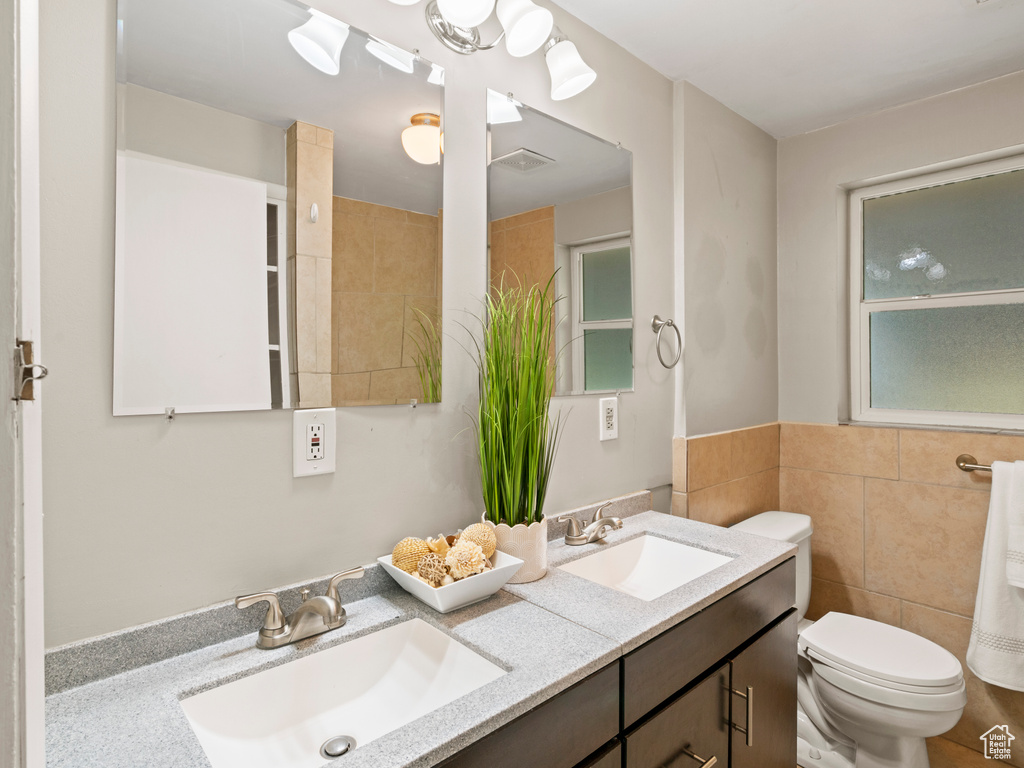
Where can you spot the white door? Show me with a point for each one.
(21, 559)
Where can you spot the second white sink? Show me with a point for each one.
(646, 567)
(364, 688)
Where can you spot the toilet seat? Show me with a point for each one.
(883, 663)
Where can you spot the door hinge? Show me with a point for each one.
(26, 371)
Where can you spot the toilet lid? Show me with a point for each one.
(883, 652)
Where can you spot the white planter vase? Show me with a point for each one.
(527, 542)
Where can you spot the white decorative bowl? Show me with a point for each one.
(464, 592)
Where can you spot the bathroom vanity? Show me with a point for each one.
(606, 679)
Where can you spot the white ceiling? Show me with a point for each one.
(792, 66)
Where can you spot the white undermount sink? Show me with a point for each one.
(646, 567)
(363, 689)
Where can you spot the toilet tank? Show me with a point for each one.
(796, 529)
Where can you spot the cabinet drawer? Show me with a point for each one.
(697, 721)
(559, 733)
(669, 662)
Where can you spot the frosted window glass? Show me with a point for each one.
(954, 238)
(949, 359)
(608, 356)
(606, 285)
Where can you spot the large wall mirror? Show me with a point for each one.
(560, 204)
(278, 211)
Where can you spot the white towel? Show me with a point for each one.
(996, 652)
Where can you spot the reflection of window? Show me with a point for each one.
(602, 316)
(937, 298)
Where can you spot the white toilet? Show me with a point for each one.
(868, 694)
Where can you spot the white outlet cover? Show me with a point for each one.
(301, 421)
(608, 418)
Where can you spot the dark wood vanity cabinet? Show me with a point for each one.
(754, 689)
(685, 694)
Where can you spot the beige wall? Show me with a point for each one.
(603, 215)
(898, 533)
(898, 529)
(385, 270)
(813, 172)
(726, 477)
(523, 248)
(188, 519)
(311, 182)
(730, 359)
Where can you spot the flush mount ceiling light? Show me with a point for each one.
(423, 140)
(320, 40)
(570, 75)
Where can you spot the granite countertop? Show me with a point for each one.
(629, 621)
(113, 700)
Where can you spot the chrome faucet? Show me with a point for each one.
(598, 528)
(314, 616)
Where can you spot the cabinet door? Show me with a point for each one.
(697, 722)
(768, 668)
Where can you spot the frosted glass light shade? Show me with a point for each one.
(422, 140)
(320, 40)
(570, 75)
(465, 13)
(527, 25)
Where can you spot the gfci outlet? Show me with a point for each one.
(608, 411)
(313, 441)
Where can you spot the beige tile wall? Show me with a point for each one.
(311, 180)
(387, 265)
(726, 477)
(898, 529)
(898, 533)
(522, 248)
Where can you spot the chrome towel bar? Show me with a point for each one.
(968, 463)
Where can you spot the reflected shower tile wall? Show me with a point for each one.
(387, 261)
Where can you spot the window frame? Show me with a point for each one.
(860, 309)
(579, 325)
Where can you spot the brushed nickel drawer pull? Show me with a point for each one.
(703, 763)
(749, 730)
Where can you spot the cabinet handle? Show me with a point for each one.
(703, 763)
(749, 730)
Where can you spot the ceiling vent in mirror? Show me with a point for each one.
(523, 160)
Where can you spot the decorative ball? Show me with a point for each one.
(407, 553)
(432, 568)
(465, 559)
(439, 545)
(481, 534)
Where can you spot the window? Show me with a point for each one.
(937, 298)
(603, 316)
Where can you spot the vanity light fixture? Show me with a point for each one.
(570, 75)
(320, 40)
(423, 140)
(526, 27)
(393, 56)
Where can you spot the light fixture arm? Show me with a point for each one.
(458, 39)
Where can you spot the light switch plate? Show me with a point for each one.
(314, 446)
(608, 413)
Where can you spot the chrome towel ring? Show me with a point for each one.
(658, 325)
